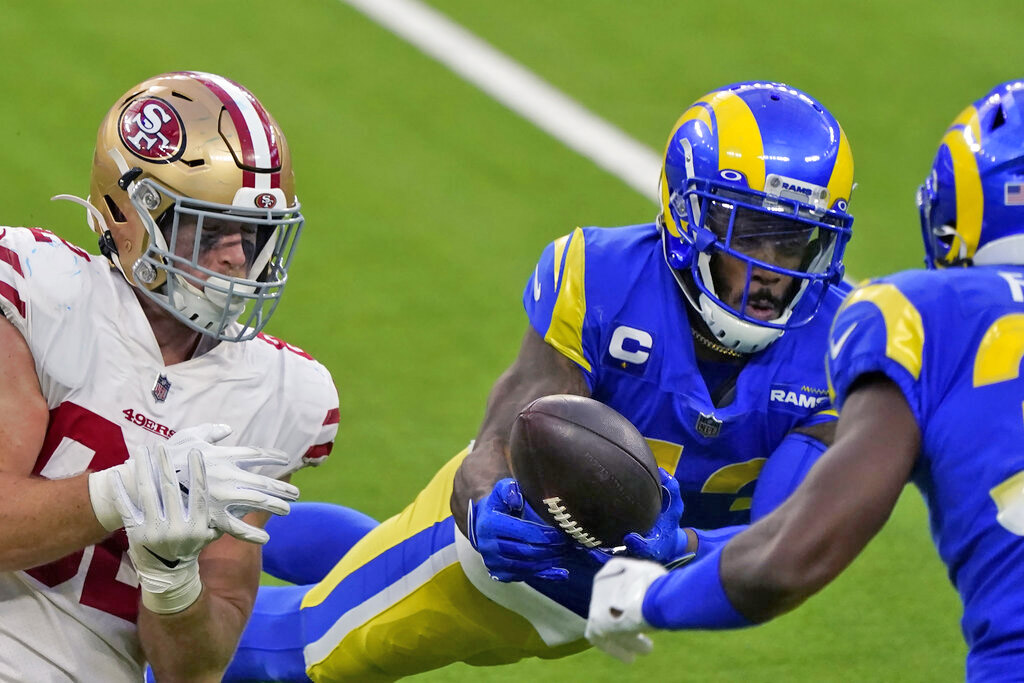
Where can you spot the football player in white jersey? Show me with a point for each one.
(136, 382)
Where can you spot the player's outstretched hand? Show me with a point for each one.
(233, 488)
(616, 621)
(512, 539)
(666, 542)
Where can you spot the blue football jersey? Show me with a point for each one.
(606, 299)
(953, 342)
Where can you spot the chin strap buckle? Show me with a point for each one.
(129, 177)
(107, 246)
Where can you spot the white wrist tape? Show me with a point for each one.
(176, 598)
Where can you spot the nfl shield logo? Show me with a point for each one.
(708, 425)
(160, 389)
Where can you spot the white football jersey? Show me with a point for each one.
(101, 371)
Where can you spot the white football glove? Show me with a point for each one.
(233, 489)
(167, 533)
(616, 621)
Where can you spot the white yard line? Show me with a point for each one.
(519, 89)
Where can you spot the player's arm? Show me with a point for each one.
(789, 464)
(538, 370)
(796, 550)
(40, 520)
(196, 644)
(846, 498)
(670, 545)
(513, 541)
(784, 558)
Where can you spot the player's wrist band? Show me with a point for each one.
(175, 599)
(692, 597)
(710, 540)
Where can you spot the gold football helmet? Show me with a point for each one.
(180, 159)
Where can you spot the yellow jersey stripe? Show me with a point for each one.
(1000, 351)
(666, 454)
(903, 327)
(565, 332)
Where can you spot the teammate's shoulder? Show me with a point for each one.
(919, 292)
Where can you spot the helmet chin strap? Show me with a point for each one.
(195, 305)
(729, 330)
(736, 334)
(93, 214)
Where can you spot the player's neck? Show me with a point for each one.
(177, 342)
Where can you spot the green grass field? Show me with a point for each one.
(427, 204)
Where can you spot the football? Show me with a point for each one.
(585, 469)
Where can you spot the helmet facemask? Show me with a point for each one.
(182, 160)
(754, 192)
(752, 258)
(183, 245)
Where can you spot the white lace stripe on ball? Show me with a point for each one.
(568, 525)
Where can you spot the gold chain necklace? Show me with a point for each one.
(714, 346)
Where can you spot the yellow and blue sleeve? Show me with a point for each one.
(555, 299)
(877, 330)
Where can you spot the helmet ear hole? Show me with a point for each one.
(115, 211)
(998, 120)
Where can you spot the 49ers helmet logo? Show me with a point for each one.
(265, 200)
(152, 130)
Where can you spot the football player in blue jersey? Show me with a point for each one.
(913, 358)
(704, 328)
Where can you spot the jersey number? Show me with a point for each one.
(998, 360)
(100, 589)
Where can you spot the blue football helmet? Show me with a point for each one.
(972, 202)
(757, 180)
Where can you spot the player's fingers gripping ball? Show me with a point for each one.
(513, 541)
(666, 541)
(585, 469)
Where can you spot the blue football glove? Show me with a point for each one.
(666, 542)
(513, 540)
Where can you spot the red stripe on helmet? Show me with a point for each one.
(234, 109)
